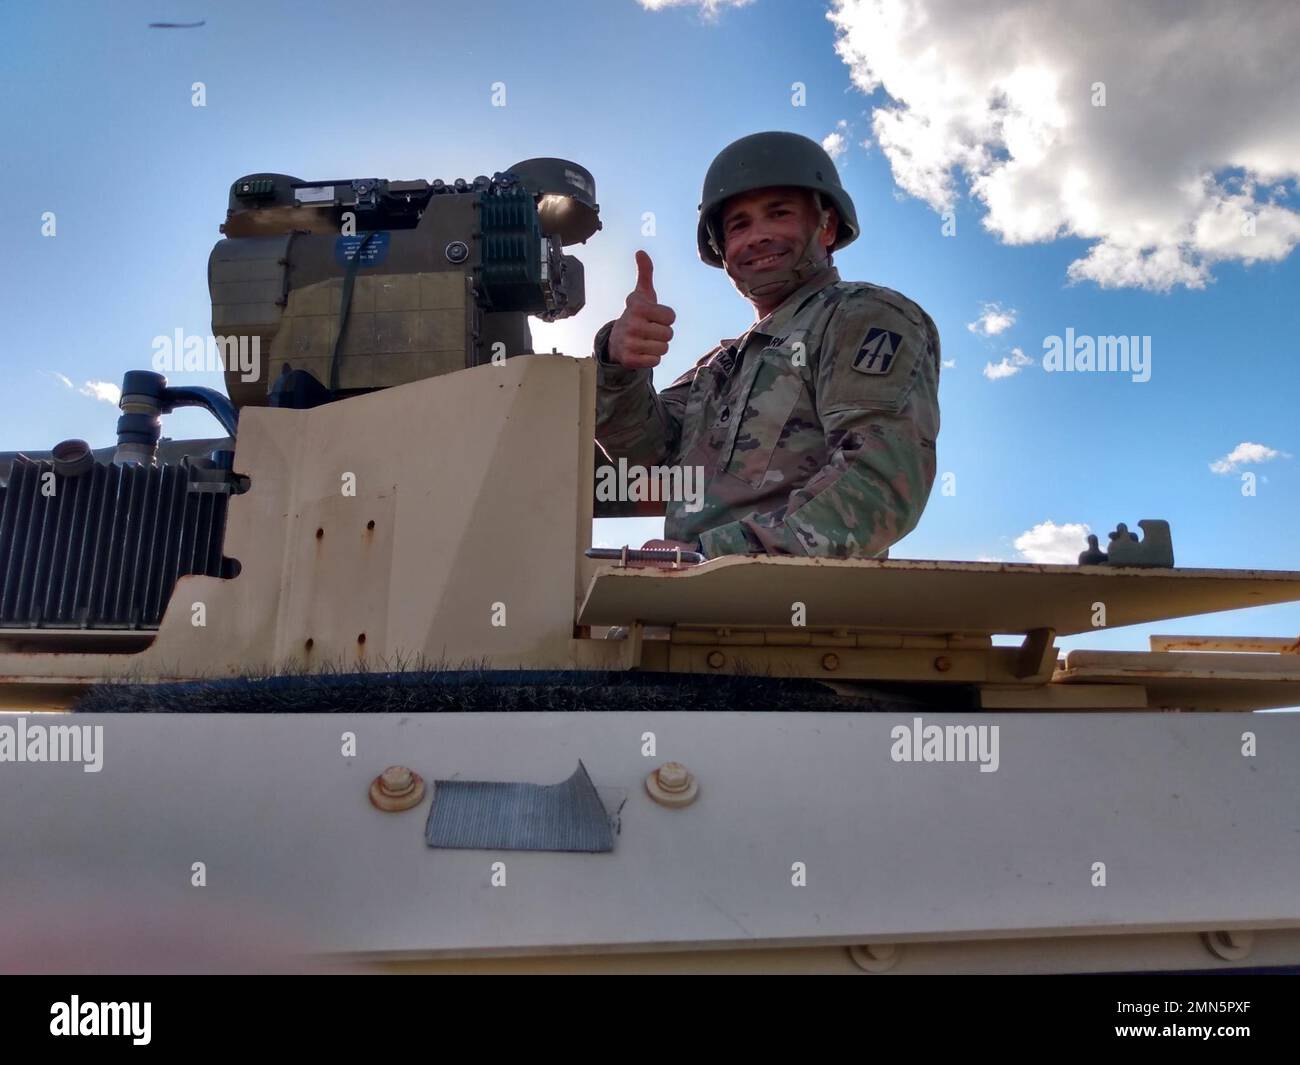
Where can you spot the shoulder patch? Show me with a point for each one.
(878, 352)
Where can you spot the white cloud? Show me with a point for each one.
(67, 381)
(1199, 131)
(836, 142)
(1009, 366)
(1246, 454)
(948, 364)
(1048, 542)
(102, 390)
(835, 145)
(709, 8)
(992, 321)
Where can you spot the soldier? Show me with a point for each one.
(816, 428)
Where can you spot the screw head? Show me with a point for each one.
(673, 776)
(943, 663)
(716, 660)
(397, 788)
(672, 784)
(395, 780)
(830, 661)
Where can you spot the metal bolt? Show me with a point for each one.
(395, 779)
(397, 788)
(672, 784)
(830, 661)
(673, 776)
(716, 660)
(943, 663)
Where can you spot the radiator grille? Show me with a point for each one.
(105, 549)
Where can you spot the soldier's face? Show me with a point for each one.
(766, 229)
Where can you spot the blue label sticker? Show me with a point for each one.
(345, 249)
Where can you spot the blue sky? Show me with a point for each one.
(99, 128)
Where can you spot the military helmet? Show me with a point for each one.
(764, 160)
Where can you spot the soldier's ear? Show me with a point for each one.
(832, 226)
(828, 220)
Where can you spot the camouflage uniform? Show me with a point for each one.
(816, 429)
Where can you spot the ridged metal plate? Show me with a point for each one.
(490, 815)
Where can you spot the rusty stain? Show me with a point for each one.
(1020, 568)
(1230, 644)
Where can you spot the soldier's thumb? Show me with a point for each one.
(645, 276)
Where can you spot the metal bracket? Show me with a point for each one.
(1155, 549)
(1037, 657)
(632, 645)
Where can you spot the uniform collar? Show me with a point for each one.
(790, 306)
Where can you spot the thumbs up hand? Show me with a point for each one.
(640, 337)
(645, 276)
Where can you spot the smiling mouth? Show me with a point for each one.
(766, 261)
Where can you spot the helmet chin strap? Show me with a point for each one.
(771, 282)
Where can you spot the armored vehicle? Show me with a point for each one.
(347, 684)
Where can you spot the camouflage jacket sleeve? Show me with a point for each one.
(877, 381)
(633, 421)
